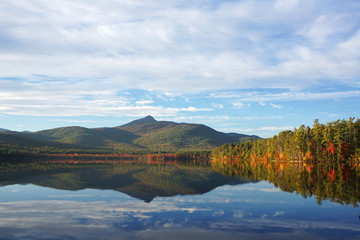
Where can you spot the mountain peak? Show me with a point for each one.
(147, 119)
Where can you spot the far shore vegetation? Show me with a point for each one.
(337, 141)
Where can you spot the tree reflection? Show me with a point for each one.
(326, 180)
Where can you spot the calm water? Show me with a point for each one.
(136, 201)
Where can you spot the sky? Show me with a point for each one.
(253, 67)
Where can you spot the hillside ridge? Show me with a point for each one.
(145, 134)
(147, 119)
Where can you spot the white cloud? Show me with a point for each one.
(260, 131)
(275, 106)
(350, 48)
(71, 58)
(263, 97)
(274, 128)
(71, 120)
(286, 5)
(201, 119)
(324, 27)
(51, 97)
(218, 106)
(192, 48)
(256, 118)
(144, 102)
(239, 105)
(85, 109)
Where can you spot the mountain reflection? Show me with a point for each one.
(140, 180)
(334, 181)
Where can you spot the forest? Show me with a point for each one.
(335, 141)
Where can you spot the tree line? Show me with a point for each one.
(336, 141)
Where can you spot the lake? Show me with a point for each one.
(175, 200)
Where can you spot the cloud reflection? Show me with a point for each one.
(208, 216)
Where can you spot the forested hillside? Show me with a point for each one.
(337, 140)
(141, 135)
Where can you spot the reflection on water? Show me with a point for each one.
(140, 180)
(176, 201)
(333, 181)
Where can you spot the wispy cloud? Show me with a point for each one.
(275, 106)
(178, 46)
(49, 97)
(266, 128)
(202, 118)
(239, 105)
(71, 120)
(218, 106)
(220, 118)
(265, 96)
(144, 102)
(69, 58)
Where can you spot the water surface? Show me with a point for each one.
(174, 201)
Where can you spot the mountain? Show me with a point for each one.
(3, 130)
(183, 136)
(146, 134)
(29, 140)
(145, 120)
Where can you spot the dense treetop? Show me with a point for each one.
(337, 140)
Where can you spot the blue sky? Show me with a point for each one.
(254, 67)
